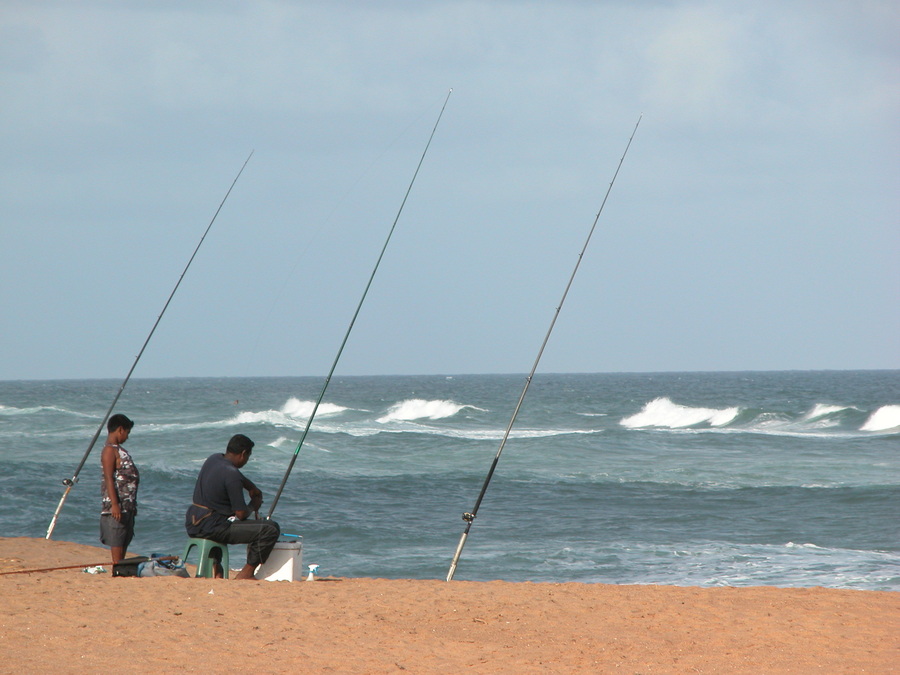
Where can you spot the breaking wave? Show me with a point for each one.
(293, 413)
(303, 409)
(822, 419)
(886, 418)
(823, 410)
(419, 409)
(663, 413)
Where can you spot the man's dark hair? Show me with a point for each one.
(238, 444)
(118, 420)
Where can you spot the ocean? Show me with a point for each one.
(697, 479)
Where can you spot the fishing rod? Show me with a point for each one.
(355, 315)
(70, 482)
(469, 516)
(138, 559)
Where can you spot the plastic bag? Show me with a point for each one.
(154, 567)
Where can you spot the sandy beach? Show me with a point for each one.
(69, 621)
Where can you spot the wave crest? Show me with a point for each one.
(887, 417)
(662, 412)
(294, 413)
(821, 410)
(420, 409)
(296, 408)
(822, 419)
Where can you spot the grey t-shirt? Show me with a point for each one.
(218, 493)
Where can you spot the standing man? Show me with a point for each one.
(119, 488)
(220, 513)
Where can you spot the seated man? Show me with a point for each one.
(219, 511)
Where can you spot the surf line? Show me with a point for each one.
(469, 516)
(70, 482)
(340, 351)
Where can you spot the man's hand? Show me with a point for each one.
(116, 512)
(256, 498)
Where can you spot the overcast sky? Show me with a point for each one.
(755, 224)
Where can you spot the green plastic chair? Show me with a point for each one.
(207, 565)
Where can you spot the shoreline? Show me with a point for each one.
(82, 623)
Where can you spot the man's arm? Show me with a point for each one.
(255, 494)
(242, 511)
(234, 486)
(108, 460)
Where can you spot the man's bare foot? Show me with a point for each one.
(246, 572)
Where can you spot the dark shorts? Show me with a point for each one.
(117, 533)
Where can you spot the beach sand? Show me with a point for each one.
(72, 622)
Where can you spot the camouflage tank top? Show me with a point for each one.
(126, 478)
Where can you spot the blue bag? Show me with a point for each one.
(162, 568)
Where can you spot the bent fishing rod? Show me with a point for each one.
(355, 315)
(469, 516)
(70, 482)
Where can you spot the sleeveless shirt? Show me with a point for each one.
(126, 479)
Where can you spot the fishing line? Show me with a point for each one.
(469, 516)
(355, 315)
(70, 482)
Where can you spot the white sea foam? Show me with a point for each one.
(821, 410)
(293, 413)
(12, 410)
(303, 409)
(663, 413)
(723, 564)
(822, 420)
(420, 409)
(886, 418)
(188, 426)
(411, 427)
(285, 443)
(822, 416)
(497, 434)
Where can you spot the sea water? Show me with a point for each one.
(705, 479)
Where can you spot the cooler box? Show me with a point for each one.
(285, 563)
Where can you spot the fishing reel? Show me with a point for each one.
(468, 517)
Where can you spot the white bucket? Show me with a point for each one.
(285, 563)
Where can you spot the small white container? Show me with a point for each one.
(285, 562)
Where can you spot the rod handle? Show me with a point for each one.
(459, 548)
